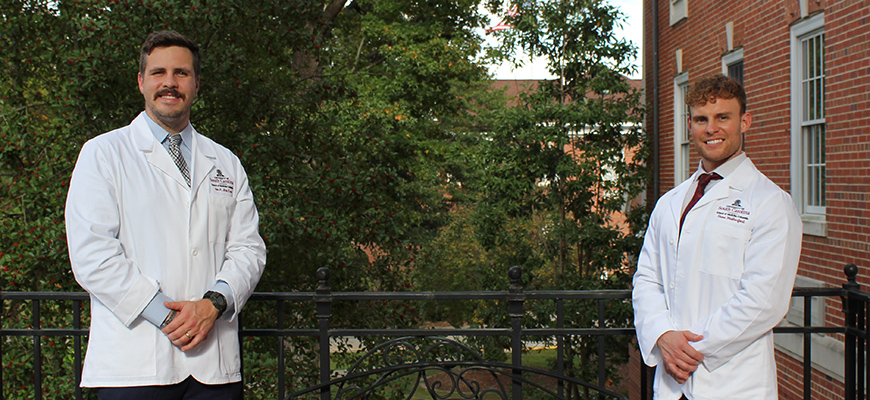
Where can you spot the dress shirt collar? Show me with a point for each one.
(727, 168)
(160, 134)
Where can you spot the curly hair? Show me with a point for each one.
(708, 89)
(168, 39)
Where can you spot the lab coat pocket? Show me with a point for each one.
(228, 342)
(750, 374)
(111, 346)
(723, 249)
(220, 216)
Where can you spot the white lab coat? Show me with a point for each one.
(133, 228)
(728, 277)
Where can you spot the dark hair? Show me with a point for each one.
(708, 89)
(168, 39)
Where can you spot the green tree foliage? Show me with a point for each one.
(371, 139)
(332, 106)
(570, 156)
(561, 174)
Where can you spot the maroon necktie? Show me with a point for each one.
(703, 180)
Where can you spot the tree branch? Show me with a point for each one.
(22, 108)
(332, 9)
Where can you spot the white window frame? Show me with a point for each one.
(813, 216)
(679, 10)
(731, 58)
(682, 139)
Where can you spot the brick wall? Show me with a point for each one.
(791, 383)
(762, 29)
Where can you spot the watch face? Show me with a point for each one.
(218, 300)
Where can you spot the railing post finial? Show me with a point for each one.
(322, 279)
(515, 274)
(851, 271)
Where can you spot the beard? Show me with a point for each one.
(169, 116)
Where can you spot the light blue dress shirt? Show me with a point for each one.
(155, 312)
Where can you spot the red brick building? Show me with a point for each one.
(805, 65)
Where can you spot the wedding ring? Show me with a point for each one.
(188, 335)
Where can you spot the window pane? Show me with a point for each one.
(736, 71)
(811, 107)
(822, 165)
(682, 169)
(818, 56)
(814, 164)
(820, 99)
(805, 101)
(685, 113)
(687, 168)
(811, 100)
(805, 68)
(813, 77)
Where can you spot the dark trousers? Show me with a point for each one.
(188, 389)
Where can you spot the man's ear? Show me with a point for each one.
(745, 122)
(141, 82)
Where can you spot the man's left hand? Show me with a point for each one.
(192, 324)
(680, 359)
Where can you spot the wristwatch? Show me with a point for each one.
(217, 300)
(169, 318)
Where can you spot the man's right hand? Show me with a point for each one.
(192, 324)
(679, 357)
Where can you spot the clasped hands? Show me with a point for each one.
(679, 357)
(192, 324)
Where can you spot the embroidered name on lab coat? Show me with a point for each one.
(221, 183)
(733, 212)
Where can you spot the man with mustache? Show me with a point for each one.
(718, 263)
(163, 234)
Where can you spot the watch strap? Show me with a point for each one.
(217, 300)
(169, 318)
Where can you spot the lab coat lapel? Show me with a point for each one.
(676, 202)
(204, 158)
(153, 150)
(736, 181)
(717, 192)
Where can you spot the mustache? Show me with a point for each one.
(171, 92)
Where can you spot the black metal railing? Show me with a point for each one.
(855, 306)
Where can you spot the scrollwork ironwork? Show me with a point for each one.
(444, 368)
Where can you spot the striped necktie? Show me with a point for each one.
(175, 152)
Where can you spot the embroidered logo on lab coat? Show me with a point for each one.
(221, 183)
(733, 212)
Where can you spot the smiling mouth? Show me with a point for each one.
(715, 141)
(168, 94)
